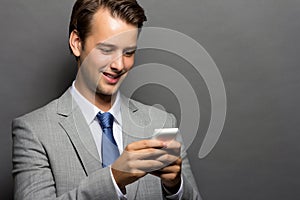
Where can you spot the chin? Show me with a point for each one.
(106, 92)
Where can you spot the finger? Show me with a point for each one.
(175, 167)
(144, 144)
(178, 162)
(146, 165)
(170, 163)
(167, 159)
(170, 177)
(166, 175)
(173, 145)
(144, 154)
(138, 166)
(170, 169)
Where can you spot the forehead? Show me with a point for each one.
(105, 27)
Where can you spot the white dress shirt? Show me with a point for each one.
(89, 112)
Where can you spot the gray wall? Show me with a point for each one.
(254, 43)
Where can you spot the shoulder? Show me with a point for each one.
(42, 117)
(62, 104)
(40, 113)
(43, 124)
(36, 121)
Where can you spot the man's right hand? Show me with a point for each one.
(137, 159)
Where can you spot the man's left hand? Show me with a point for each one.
(170, 175)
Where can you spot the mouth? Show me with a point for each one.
(112, 78)
(111, 75)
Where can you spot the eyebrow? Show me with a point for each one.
(105, 45)
(101, 44)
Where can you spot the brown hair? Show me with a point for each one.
(83, 11)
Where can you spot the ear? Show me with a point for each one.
(75, 43)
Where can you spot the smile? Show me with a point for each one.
(111, 76)
(111, 79)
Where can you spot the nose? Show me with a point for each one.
(117, 64)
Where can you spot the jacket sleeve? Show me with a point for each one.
(190, 190)
(33, 176)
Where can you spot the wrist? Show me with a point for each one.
(172, 187)
(118, 180)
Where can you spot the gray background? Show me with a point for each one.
(254, 43)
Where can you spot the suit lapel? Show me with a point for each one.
(134, 127)
(74, 124)
(128, 111)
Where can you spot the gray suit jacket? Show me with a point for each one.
(55, 156)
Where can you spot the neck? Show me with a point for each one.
(104, 102)
(101, 101)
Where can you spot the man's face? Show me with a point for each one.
(107, 56)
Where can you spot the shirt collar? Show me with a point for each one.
(90, 111)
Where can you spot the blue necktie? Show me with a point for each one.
(110, 151)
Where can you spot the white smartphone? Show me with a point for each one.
(165, 134)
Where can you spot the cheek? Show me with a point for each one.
(100, 60)
(96, 57)
(128, 62)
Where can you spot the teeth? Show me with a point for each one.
(110, 76)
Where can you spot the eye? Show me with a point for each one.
(129, 53)
(106, 51)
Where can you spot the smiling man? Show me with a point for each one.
(83, 145)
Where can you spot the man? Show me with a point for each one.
(73, 147)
